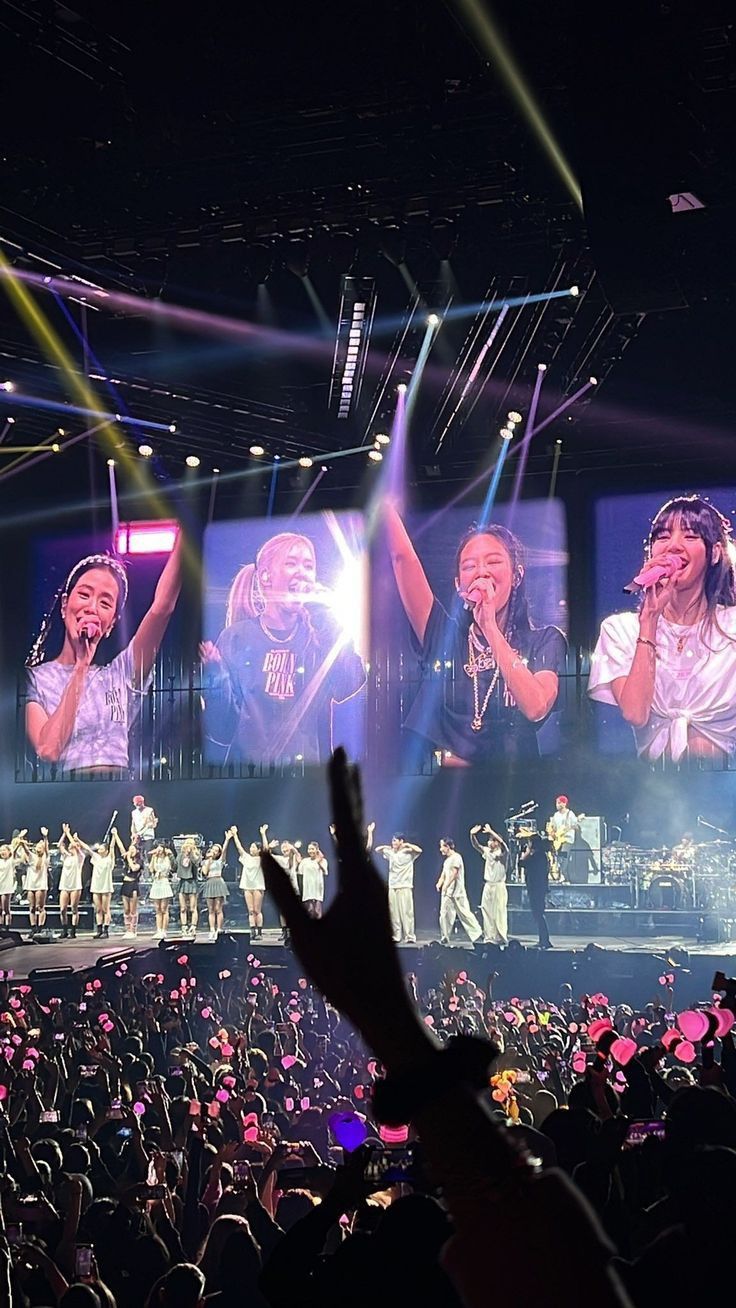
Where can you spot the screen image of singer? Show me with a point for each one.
(663, 669)
(470, 622)
(93, 651)
(285, 634)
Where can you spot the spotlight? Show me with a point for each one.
(305, 461)
(7, 386)
(575, 290)
(382, 439)
(192, 461)
(56, 447)
(60, 431)
(375, 455)
(558, 441)
(145, 451)
(401, 388)
(215, 469)
(513, 418)
(172, 426)
(257, 451)
(433, 320)
(506, 434)
(111, 463)
(541, 367)
(10, 420)
(593, 381)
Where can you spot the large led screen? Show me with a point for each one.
(663, 669)
(284, 651)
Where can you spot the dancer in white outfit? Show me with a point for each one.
(252, 882)
(313, 870)
(453, 895)
(288, 860)
(215, 887)
(37, 882)
(70, 885)
(162, 867)
(401, 856)
(494, 904)
(103, 864)
(8, 853)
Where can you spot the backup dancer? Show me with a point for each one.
(8, 854)
(187, 867)
(401, 856)
(215, 888)
(313, 870)
(495, 900)
(252, 881)
(161, 893)
(73, 854)
(453, 895)
(132, 871)
(102, 857)
(37, 882)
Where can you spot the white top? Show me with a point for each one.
(108, 706)
(37, 873)
(71, 870)
(313, 878)
(102, 869)
(695, 686)
(290, 868)
(7, 875)
(494, 869)
(252, 877)
(400, 868)
(564, 824)
(162, 865)
(450, 884)
(142, 821)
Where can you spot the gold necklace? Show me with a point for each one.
(480, 659)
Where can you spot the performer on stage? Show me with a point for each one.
(280, 661)
(495, 900)
(671, 667)
(562, 828)
(287, 859)
(161, 894)
(453, 895)
(401, 856)
(685, 849)
(534, 861)
(79, 712)
(37, 882)
(505, 678)
(215, 888)
(143, 823)
(187, 867)
(313, 870)
(8, 857)
(132, 871)
(252, 881)
(101, 885)
(73, 854)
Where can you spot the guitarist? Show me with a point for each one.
(562, 829)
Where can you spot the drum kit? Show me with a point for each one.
(686, 876)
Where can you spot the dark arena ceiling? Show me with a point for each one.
(219, 170)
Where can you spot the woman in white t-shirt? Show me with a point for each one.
(162, 866)
(252, 882)
(8, 856)
(37, 882)
(73, 855)
(313, 870)
(671, 667)
(101, 885)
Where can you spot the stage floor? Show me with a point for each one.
(86, 951)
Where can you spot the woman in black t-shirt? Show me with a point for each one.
(280, 662)
(504, 672)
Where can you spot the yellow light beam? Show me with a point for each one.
(510, 73)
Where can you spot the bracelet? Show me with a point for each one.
(642, 640)
(519, 662)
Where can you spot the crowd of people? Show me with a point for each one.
(258, 1137)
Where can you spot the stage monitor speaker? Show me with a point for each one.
(584, 863)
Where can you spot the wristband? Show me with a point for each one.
(464, 1060)
(642, 640)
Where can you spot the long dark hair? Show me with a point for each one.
(713, 527)
(518, 622)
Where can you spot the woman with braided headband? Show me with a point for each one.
(79, 712)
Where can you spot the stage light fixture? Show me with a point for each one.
(433, 320)
(215, 469)
(145, 451)
(172, 427)
(593, 381)
(402, 388)
(575, 291)
(513, 418)
(257, 451)
(558, 441)
(305, 461)
(192, 461)
(111, 463)
(375, 455)
(60, 431)
(541, 367)
(7, 386)
(381, 438)
(56, 447)
(506, 434)
(10, 420)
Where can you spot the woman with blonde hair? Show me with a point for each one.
(280, 663)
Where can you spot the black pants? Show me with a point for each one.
(537, 895)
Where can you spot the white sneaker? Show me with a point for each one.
(129, 935)
(213, 935)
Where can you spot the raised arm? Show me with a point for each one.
(237, 841)
(414, 590)
(115, 840)
(474, 838)
(497, 835)
(153, 626)
(369, 836)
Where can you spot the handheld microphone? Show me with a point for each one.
(654, 570)
(90, 629)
